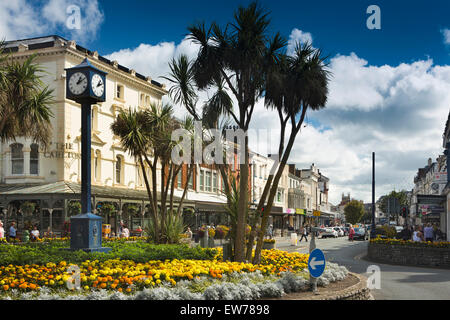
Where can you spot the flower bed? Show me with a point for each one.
(422, 244)
(278, 273)
(427, 254)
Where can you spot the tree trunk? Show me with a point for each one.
(243, 203)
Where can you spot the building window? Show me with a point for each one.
(119, 92)
(34, 159)
(191, 181)
(147, 101)
(214, 182)
(208, 181)
(119, 169)
(179, 175)
(142, 100)
(202, 180)
(97, 165)
(16, 158)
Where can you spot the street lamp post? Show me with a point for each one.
(372, 231)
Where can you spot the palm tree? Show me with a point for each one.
(298, 83)
(24, 100)
(236, 54)
(146, 135)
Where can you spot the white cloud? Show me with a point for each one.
(446, 33)
(298, 36)
(397, 111)
(24, 18)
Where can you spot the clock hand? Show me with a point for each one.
(99, 84)
(80, 79)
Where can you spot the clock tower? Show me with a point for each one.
(86, 85)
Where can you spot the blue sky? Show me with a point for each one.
(390, 90)
(410, 30)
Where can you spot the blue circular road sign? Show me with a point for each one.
(316, 263)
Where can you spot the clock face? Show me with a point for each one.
(78, 83)
(98, 86)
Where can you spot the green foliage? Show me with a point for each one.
(401, 197)
(74, 208)
(354, 211)
(42, 253)
(387, 231)
(107, 209)
(28, 207)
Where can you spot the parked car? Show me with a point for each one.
(360, 234)
(340, 231)
(328, 232)
(346, 231)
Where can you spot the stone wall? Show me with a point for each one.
(409, 255)
(358, 291)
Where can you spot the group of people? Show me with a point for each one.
(303, 232)
(12, 232)
(419, 233)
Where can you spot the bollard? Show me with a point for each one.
(294, 239)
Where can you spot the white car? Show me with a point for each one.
(327, 232)
(340, 231)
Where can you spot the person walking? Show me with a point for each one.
(2, 231)
(304, 233)
(351, 233)
(270, 231)
(13, 230)
(428, 233)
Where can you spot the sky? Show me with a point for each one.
(389, 92)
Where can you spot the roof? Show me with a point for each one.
(49, 41)
(71, 188)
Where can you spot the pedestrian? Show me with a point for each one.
(2, 231)
(34, 234)
(417, 235)
(125, 232)
(351, 233)
(304, 234)
(406, 234)
(270, 231)
(48, 233)
(13, 230)
(189, 233)
(139, 231)
(428, 232)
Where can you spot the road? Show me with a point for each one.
(397, 282)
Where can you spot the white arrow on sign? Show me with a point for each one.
(315, 263)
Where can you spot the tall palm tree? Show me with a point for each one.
(236, 54)
(24, 100)
(298, 83)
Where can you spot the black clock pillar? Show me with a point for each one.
(86, 158)
(86, 227)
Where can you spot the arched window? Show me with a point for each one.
(119, 169)
(34, 159)
(16, 158)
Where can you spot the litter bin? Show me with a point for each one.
(293, 239)
(226, 251)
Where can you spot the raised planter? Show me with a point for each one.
(409, 255)
(268, 245)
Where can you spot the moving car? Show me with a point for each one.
(360, 234)
(328, 232)
(340, 231)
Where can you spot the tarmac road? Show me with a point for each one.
(397, 282)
